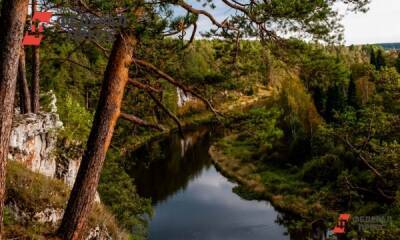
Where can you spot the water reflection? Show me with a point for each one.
(162, 168)
(192, 200)
(208, 209)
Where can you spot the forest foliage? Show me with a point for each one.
(334, 93)
(335, 110)
(340, 120)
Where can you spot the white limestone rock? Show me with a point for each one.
(49, 215)
(33, 141)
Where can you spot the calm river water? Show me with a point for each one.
(192, 200)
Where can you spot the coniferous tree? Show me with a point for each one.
(335, 102)
(380, 60)
(24, 94)
(106, 117)
(398, 63)
(13, 16)
(351, 93)
(319, 100)
(35, 71)
(315, 18)
(372, 57)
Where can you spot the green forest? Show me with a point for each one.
(303, 123)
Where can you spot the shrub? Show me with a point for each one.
(322, 170)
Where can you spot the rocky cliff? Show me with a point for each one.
(183, 97)
(34, 143)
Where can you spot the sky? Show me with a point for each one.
(379, 25)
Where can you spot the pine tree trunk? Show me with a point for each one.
(35, 80)
(12, 26)
(35, 72)
(107, 113)
(24, 94)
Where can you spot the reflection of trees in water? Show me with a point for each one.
(162, 168)
(317, 230)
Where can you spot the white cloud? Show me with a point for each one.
(378, 25)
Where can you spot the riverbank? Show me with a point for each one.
(279, 188)
(303, 202)
(235, 103)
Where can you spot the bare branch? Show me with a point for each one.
(139, 121)
(76, 48)
(171, 33)
(88, 9)
(192, 36)
(361, 157)
(383, 194)
(143, 86)
(189, 8)
(240, 4)
(236, 6)
(365, 190)
(76, 63)
(176, 83)
(167, 111)
(105, 51)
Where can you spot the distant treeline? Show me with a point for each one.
(389, 46)
(386, 46)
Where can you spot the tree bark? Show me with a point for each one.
(13, 18)
(35, 72)
(24, 94)
(107, 114)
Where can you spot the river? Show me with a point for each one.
(192, 200)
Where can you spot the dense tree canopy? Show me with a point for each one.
(333, 118)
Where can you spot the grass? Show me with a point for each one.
(32, 193)
(277, 180)
(240, 149)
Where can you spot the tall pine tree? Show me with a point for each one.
(372, 57)
(398, 63)
(335, 102)
(351, 93)
(380, 60)
(12, 22)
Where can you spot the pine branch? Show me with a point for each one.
(142, 86)
(139, 121)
